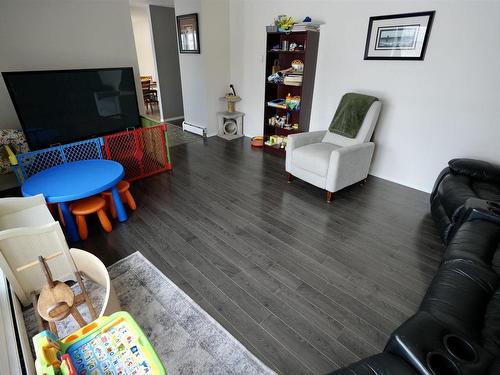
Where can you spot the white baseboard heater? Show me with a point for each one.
(195, 129)
(15, 353)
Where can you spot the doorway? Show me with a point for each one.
(155, 35)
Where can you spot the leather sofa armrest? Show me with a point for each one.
(422, 337)
(440, 177)
(474, 209)
(477, 169)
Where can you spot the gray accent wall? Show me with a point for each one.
(164, 31)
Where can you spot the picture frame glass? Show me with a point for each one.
(398, 37)
(188, 33)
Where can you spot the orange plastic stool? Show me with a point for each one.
(87, 206)
(125, 195)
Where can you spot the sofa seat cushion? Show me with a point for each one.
(486, 190)
(379, 364)
(459, 295)
(477, 241)
(314, 158)
(453, 191)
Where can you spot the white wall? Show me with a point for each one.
(443, 107)
(62, 34)
(205, 77)
(143, 40)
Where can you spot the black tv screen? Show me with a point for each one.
(63, 106)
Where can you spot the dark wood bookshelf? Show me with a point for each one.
(310, 41)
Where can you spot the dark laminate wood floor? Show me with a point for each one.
(305, 285)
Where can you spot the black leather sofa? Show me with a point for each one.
(456, 330)
(461, 180)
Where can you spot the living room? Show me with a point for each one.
(257, 238)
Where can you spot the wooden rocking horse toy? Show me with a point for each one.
(57, 300)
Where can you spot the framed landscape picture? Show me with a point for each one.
(398, 36)
(187, 33)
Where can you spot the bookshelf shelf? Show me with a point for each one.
(299, 52)
(310, 40)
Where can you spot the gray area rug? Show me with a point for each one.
(187, 339)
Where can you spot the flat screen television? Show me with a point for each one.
(63, 106)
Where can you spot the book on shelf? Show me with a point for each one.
(304, 26)
(293, 81)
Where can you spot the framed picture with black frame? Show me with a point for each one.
(398, 36)
(188, 34)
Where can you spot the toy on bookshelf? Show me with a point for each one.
(278, 141)
(291, 103)
(277, 103)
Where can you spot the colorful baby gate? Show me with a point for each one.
(108, 345)
(32, 162)
(142, 152)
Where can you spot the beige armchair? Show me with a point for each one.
(331, 161)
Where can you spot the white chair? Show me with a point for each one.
(24, 212)
(22, 246)
(27, 230)
(331, 161)
(92, 268)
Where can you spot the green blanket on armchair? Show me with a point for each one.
(350, 114)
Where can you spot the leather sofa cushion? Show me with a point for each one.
(453, 191)
(314, 157)
(459, 294)
(478, 241)
(380, 364)
(494, 368)
(491, 329)
(486, 190)
(477, 169)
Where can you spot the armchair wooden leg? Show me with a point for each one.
(329, 197)
(290, 177)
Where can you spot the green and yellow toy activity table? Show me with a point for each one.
(109, 345)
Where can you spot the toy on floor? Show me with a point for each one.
(108, 345)
(56, 299)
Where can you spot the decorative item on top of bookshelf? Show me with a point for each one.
(398, 36)
(290, 71)
(285, 24)
(187, 33)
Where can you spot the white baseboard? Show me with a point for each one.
(173, 118)
(194, 128)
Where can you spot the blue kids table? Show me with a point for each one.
(71, 181)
